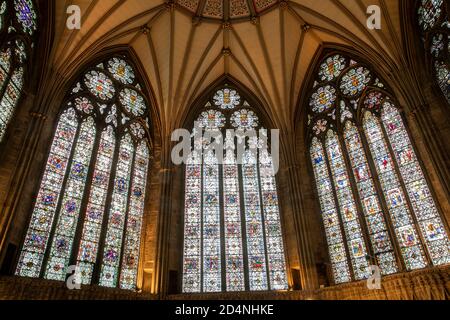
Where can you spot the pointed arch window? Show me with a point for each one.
(18, 26)
(434, 22)
(232, 229)
(90, 203)
(376, 205)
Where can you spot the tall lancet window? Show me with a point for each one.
(434, 21)
(18, 26)
(90, 203)
(232, 229)
(376, 205)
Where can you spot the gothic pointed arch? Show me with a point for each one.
(233, 238)
(89, 208)
(376, 203)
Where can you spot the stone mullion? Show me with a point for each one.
(339, 212)
(243, 227)
(202, 188)
(101, 241)
(405, 192)
(222, 227)
(382, 200)
(85, 199)
(60, 199)
(127, 213)
(361, 215)
(263, 219)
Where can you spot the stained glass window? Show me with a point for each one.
(232, 229)
(18, 22)
(433, 20)
(376, 205)
(90, 203)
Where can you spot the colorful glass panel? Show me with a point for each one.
(429, 13)
(10, 100)
(332, 67)
(234, 251)
(424, 207)
(355, 81)
(80, 199)
(212, 270)
(376, 225)
(132, 244)
(443, 78)
(121, 70)
(232, 235)
(92, 225)
(69, 209)
(133, 102)
(227, 99)
(99, 84)
(403, 222)
(272, 223)
(333, 233)
(256, 247)
(244, 119)
(26, 15)
(323, 99)
(347, 207)
(192, 254)
(211, 119)
(117, 214)
(36, 240)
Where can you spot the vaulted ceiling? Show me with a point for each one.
(185, 45)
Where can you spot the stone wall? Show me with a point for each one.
(429, 284)
(15, 288)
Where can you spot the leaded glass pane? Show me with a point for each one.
(333, 233)
(244, 119)
(232, 229)
(98, 204)
(92, 225)
(443, 78)
(26, 15)
(256, 246)
(130, 260)
(332, 67)
(272, 224)
(234, 251)
(192, 256)
(227, 99)
(99, 85)
(347, 207)
(424, 207)
(10, 99)
(211, 244)
(376, 225)
(70, 206)
(121, 70)
(117, 214)
(395, 197)
(429, 12)
(355, 81)
(31, 258)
